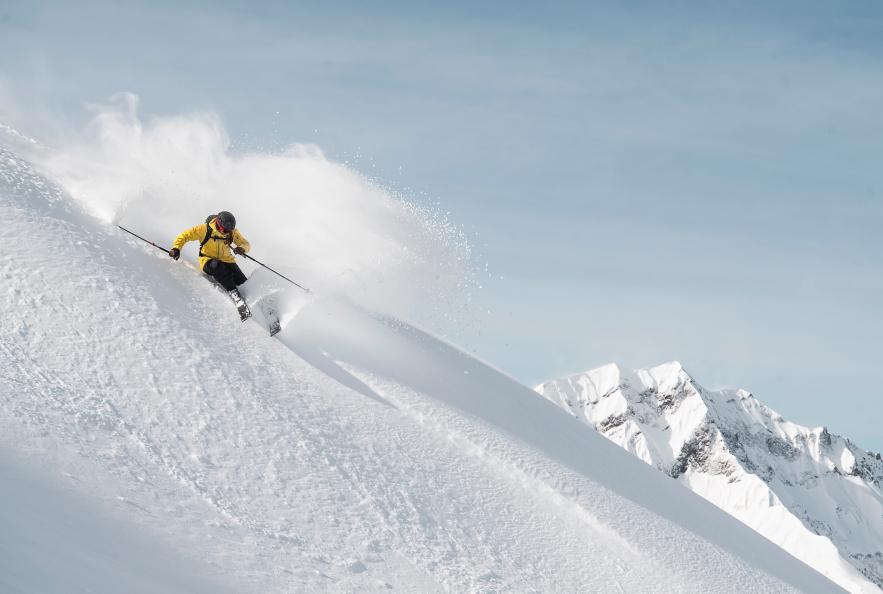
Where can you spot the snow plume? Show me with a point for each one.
(315, 220)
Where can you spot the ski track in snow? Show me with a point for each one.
(290, 473)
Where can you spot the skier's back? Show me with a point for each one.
(215, 257)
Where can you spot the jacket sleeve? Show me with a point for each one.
(192, 234)
(240, 240)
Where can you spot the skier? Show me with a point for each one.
(215, 259)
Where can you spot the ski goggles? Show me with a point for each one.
(221, 227)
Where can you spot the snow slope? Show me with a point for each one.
(353, 453)
(55, 540)
(815, 494)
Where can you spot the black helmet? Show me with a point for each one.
(227, 220)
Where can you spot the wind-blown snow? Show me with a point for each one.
(354, 452)
(307, 216)
(815, 494)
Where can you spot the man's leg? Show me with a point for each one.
(228, 276)
(238, 276)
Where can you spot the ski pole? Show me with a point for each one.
(144, 240)
(276, 273)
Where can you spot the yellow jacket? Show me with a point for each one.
(217, 247)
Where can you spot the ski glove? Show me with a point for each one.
(174, 253)
(239, 250)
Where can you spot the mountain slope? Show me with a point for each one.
(56, 541)
(815, 494)
(354, 453)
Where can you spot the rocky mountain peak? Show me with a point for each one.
(790, 483)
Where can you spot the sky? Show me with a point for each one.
(640, 183)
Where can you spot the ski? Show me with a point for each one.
(270, 313)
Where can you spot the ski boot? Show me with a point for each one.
(241, 305)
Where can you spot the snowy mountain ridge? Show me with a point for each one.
(816, 494)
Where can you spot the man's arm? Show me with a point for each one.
(241, 241)
(193, 234)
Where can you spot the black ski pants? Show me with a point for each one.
(228, 274)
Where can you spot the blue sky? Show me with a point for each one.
(644, 182)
